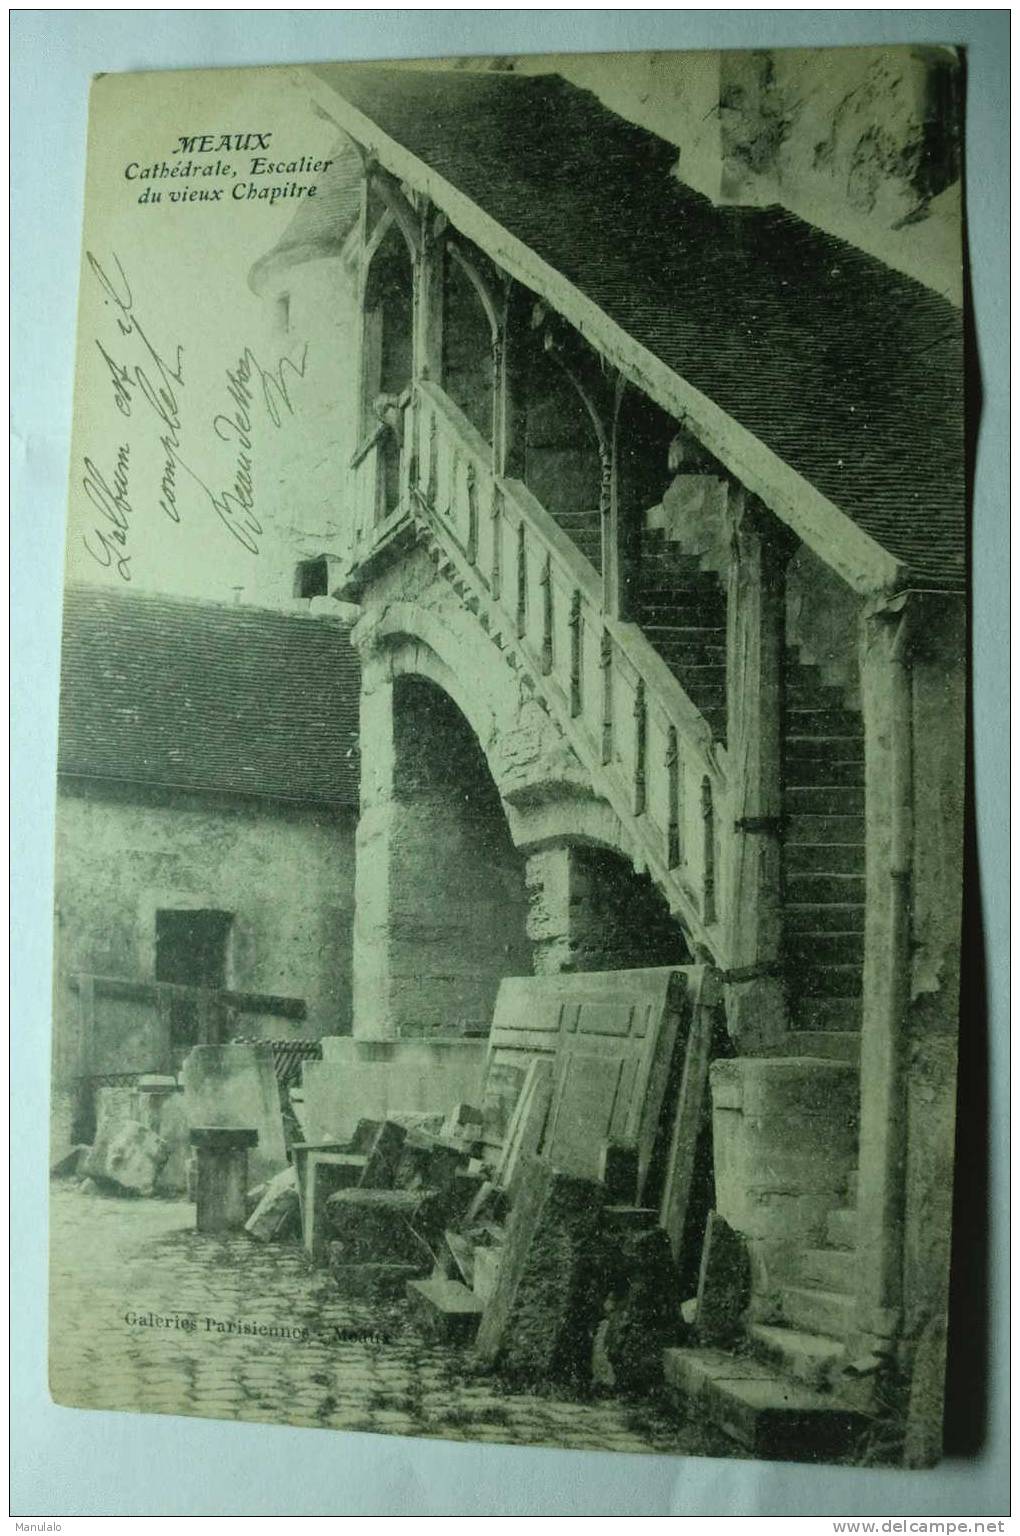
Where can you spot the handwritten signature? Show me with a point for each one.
(157, 380)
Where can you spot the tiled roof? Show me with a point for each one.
(848, 371)
(166, 691)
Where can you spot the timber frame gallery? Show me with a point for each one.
(653, 511)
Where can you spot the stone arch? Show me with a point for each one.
(563, 862)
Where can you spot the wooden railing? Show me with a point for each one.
(649, 748)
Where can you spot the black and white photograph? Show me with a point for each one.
(511, 797)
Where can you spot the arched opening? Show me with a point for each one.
(388, 340)
(467, 346)
(592, 912)
(562, 464)
(458, 903)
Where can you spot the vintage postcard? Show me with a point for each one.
(511, 752)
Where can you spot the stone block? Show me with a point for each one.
(236, 1085)
(724, 1284)
(385, 1078)
(383, 1226)
(644, 1317)
(127, 1155)
(277, 1217)
(487, 1203)
(372, 1282)
(541, 1318)
(485, 1270)
(444, 1310)
(222, 1178)
(324, 1174)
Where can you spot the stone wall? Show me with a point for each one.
(286, 874)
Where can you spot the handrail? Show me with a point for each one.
(650, 749)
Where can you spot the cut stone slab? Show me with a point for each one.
(457, 1257)
(767, 1414)
(300, 1152)
(127, 1155)
(444, 1310)
(724, 1284)
(371, 1282)
(818, 1311)
(277, 1217)
(541, 1318)
(382, 1226)
(383, 1156)
(809, 1357)
(236, 1085)
(645, 1313)
(325, 1174)
(222, 1176)
(485, 1270)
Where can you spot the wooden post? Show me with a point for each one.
(692, 1109)
(576, 654)
(886, 695)
(755, 642)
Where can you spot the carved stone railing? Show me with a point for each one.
(647, 746)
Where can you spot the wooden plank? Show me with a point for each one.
(611, 1038)
(689, 1116)
(527, 1123)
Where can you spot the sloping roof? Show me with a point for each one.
(166, 691)
(321, 223)
(846, 370)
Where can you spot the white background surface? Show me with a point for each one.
(68, 1462)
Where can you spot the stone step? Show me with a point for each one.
(824, 890)
(768, 1414)
(820, 917)
(825, 829)
(840, 749)
(664, 606)
(809, 1015)
(831, 1269)
(817, 1311)
(826, 980)
(825, 949)
(841, 1227)
(824, 859)
(823, 771)
(823, 800)
(808, 1357)
(829, 1045)
(444, 1309)
(821, 721)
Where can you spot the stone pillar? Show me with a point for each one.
(588, 911)
(439, 887)
(755, 995)
(222, 1185)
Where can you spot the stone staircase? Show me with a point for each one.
(682, 611)
(779, 1394)
(824, 853)
(585, 528)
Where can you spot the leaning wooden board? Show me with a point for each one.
(611, 1037)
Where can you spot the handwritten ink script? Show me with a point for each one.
(147, 388)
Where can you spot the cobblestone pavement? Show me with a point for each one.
(118, 1264)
